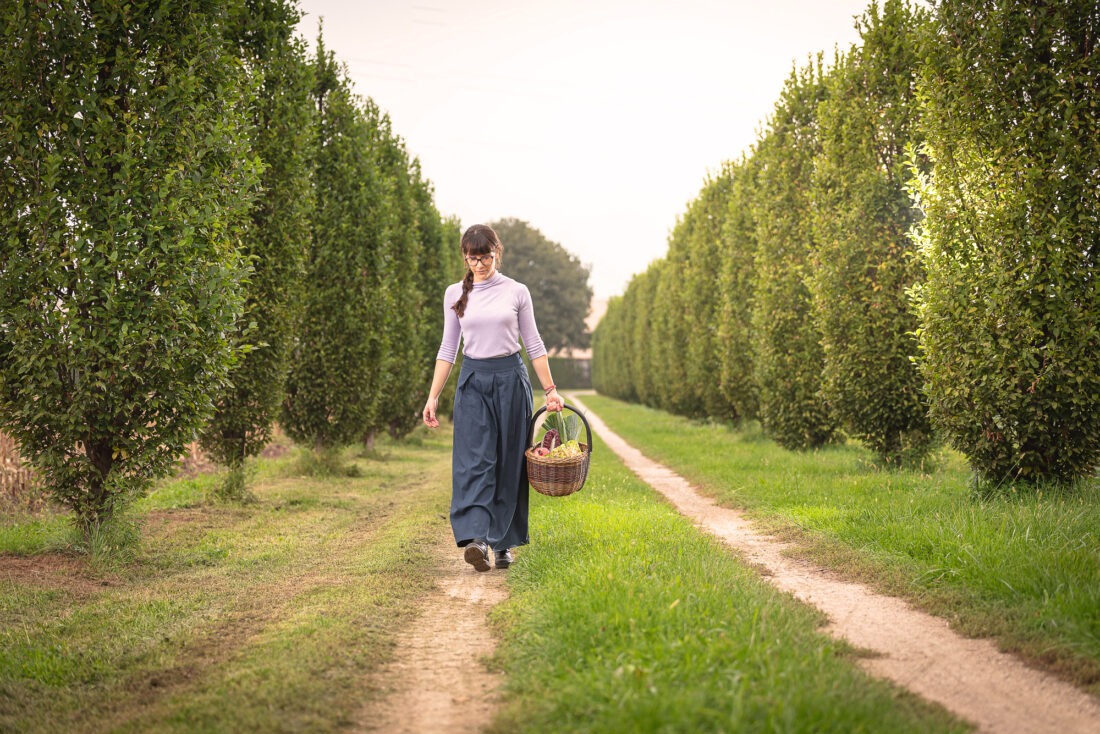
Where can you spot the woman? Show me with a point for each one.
(492, 409)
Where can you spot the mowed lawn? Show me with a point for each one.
(272, 617)
(1023, 567)
(261, 618)
(626, 618)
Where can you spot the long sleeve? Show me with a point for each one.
(528, 329)
(498, 313)
(452, 329)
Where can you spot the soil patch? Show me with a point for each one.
(55, 571)
(971, 678)
(438, 681)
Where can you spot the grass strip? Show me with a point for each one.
(259, 618)
(624, 617)
(1023, 568)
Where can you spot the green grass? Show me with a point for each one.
(263, 617)
(625, 618)
(1023, 567)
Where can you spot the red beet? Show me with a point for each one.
(551, 439)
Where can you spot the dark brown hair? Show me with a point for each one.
(480, 239)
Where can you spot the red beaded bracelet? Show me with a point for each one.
(552, 387)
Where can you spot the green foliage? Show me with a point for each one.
(787, 353)
(277, 234)
(694, 252)
(232, 486)
(612, 350)
(404, 324)
(439, 263)
(668, 339)
(735, 261)
(568, 426)
(1010, 310)
(641, 294)
(337, 373)
(863, 264)
(127, 172)
(450, 268)
(557, 280)
(571, 373)
(112, 541)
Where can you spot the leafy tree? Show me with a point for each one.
(697, 245)
(611, 348)
(127, 170)
(1010, 308)
(440, 264)
(277, 235)
(557, 280)
(668, 338)
(863, 264)
(336, 374)
(450, 268)
(641, 295)
(786, 345)
(734, 310)
(404, 318)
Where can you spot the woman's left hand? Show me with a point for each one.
(554, 402)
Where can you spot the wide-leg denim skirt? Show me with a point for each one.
(489, 489)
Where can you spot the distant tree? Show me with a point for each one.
(667, 340)
(610, 350)
(127, 172)
(1010, 306)
(557, 280)
(277, 235)
(442, 265)
(403, 321)
(863, 263)
(735, 289)
(438, 263)
(336, 374)
(641, 295)
(788, 358)
(696, 248)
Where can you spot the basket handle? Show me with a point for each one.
(540, 411)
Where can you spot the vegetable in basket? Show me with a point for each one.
(561, 436)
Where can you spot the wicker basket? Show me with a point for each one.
(553, 476)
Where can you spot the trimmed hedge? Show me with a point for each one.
(128, 172)
(863, 261)
(1010, 308)
(787, 352)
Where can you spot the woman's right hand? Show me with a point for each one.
(430, 419)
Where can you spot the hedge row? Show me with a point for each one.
(909, 248)
(194, 213)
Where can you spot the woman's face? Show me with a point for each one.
(483, 266)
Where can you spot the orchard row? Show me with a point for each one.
(204, 231)
(908, 252)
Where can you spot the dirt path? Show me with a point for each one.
(971, 678)
(437, 681)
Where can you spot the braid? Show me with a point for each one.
(459, 306)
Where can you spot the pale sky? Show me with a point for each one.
(596, 121)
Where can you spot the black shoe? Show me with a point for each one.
(477, 555)
(504, 558)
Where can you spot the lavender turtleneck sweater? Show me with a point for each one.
(498, 313)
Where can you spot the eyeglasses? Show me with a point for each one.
(480, 260)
